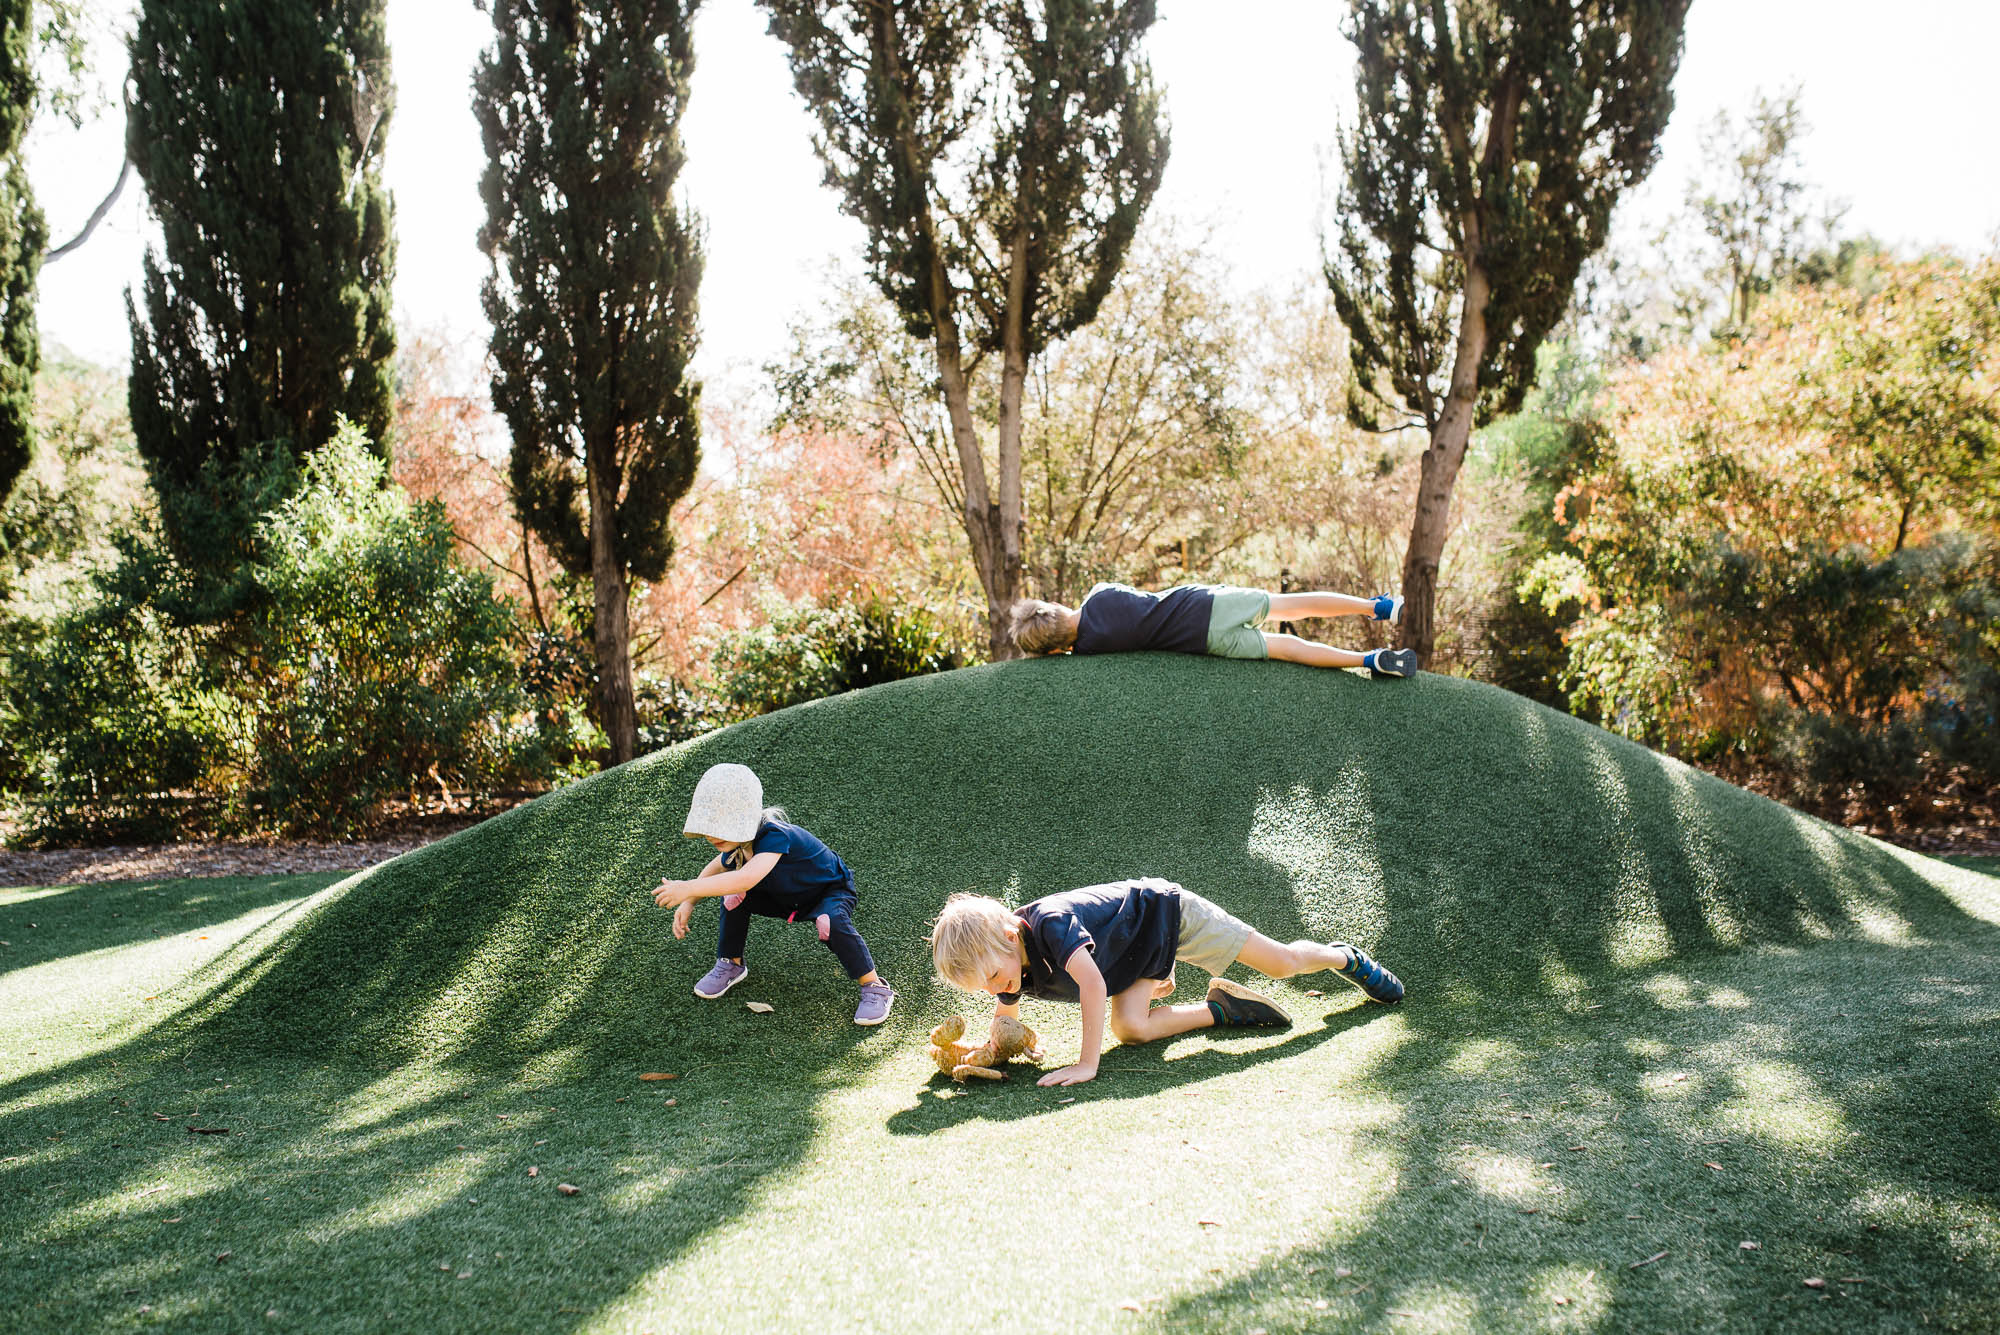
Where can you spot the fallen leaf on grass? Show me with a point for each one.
(1342, 1272)
(224, 1256)
(175, 1220)
(1533, 1209)
(534, 1172)
(1321, 1305)
(566, 1189)
(1746, 1246)
(1710, 1163)
(1815, 1283)
(1648, 1261)
(1562, 1302)
(670, 1075)
(1575, 1148)
(671, 1103)
(209, 1130)
(444, 1266)
(761, 1008)
(1314, 992)
(1206, 1222)
(161, 1117)
(1129, 1306)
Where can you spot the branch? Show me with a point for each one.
(96, 217)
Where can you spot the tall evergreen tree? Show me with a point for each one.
(592, 294)
(23, 236)
(1000, 154)
(1494, 138)
(258, 128)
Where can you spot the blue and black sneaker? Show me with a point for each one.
(1388, 607)
(1375, 982)
(1236, 1005)
(1391, 662)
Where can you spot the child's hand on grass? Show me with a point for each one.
(673, 893)
(681, 918)
(1070, 1075)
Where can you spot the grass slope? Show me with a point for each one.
(1592, 1068)
(1478, 842)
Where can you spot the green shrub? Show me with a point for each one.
(808, 652)
(386, 663)
(352, 659)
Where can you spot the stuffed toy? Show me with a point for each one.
(959, 1059)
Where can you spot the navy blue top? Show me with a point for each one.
(1131, 929)
(807, 871)
(1117, 618)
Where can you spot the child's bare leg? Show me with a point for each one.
(1292, 649)
(1275, 960)
(1134, 1018)
(1298, 606)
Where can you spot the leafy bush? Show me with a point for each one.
(670, 712)
(350, 660)
(385, 663)
(807, 652)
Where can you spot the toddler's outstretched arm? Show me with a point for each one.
(671, 893)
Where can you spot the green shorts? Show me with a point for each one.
(1233, 621)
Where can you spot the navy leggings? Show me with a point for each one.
(842, 939)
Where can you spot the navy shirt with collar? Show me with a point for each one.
(1117, 618)
(1131, 929)
(807, 871)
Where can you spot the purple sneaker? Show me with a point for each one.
(876, 998)
(725, 975)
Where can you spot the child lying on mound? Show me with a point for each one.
(1205, 619)
(1120, 942)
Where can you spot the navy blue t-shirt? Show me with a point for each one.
(1117, 618)
(807, 871)
(1131, 929)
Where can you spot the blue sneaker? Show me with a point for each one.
(1391, 662)
(1375, 982)
(1389, 608)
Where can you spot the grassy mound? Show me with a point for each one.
(1480, 844)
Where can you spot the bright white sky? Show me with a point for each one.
(1898, 99)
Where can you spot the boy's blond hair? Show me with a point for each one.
(969, 939)
(1042, 628)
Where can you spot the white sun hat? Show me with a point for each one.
(728, 804)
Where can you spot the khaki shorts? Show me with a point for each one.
(1233, 620)
(1210, 938)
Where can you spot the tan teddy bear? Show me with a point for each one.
(959, 1060)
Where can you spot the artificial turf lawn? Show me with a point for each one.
(1649, 1013)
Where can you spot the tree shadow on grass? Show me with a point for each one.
(60, 921)
(1615, 1157)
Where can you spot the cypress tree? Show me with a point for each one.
(22, 239)
(1494, 138)
(592, 294)
(258, 128)
(1000, 154)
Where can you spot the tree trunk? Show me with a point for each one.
(615, 711)
(1442, 461)
(1005, 584)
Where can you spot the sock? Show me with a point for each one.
(1216, 1011)
(1368, 659)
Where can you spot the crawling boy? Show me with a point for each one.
(1119, 942)
(1213, 619)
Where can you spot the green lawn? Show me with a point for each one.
(1652, 1018)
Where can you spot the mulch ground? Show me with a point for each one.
(211, 857)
